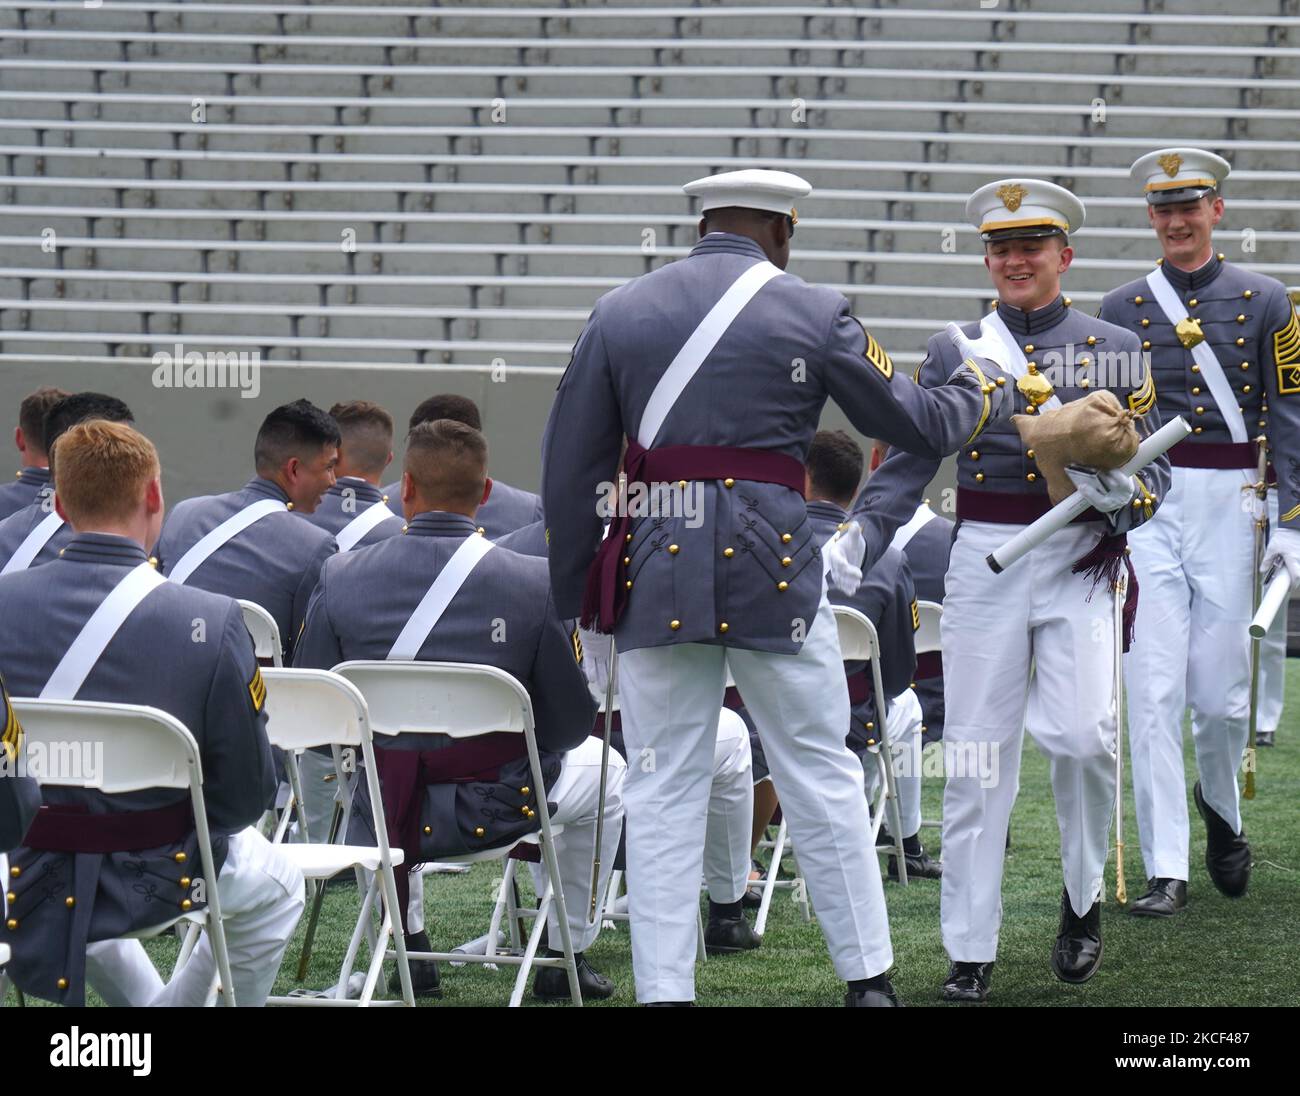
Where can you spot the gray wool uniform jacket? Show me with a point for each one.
(183, 650)
(27, 487)
(1250, 324)
(998, 462)
(274, 562)
(745, 568)
(502, 616)
(343, 503)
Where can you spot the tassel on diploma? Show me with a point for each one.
(1065, 511)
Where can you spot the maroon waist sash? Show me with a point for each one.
(1211, 454)
(860, 686)
(1102, 563)
(605, 596)
(1008, 508)
(929, 664)
(72, 828)
(404, 774)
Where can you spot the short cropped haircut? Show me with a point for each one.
(299, 429)
(366, 430)
(447, 461)
(102, 468)
(447, 405)
(835, 466)
(80, 407)
(32, 412)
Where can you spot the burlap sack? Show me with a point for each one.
(1096, 431)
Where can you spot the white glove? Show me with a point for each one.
(1105, 491)
(988, 353)
(986, 346)
(1284, 548)
(842, 559)
(595, 661)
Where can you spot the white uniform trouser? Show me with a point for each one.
(903, 728)
(671, 698)
(994, 628)
(731, 812)
(1272, 656)
(576, 793)
(1190, 649)
(261, 901)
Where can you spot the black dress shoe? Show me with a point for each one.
(1164, 898)
(552, 983)
(1076, 955)
(967, 982)
(1263, 738)
(919, 866)
(726, 936)
(1227, 854)
(424, 972)
(884, 997)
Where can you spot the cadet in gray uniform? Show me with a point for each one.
(507, 508)
(1224, 345)
(158, 644)
(1040, 609)
(475, 794)
(246, 544)
(354, 510)
(35, 533)
(711, 561)
(19, 795)
(29, 439)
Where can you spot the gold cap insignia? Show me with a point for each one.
(1012, 194)
(1171, 162)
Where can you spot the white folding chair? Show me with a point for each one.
(262, 627)
(859, 642)
(307, 708)
(462, 701)
(137, 747)
(929, 641)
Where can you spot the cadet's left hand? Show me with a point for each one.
(844, 555)
(1106, 491)
(1284, 548)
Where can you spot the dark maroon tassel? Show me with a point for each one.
(1130, 604)
(1102, 564)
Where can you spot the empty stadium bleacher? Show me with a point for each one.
(398, 186)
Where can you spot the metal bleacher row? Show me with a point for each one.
(403, 185)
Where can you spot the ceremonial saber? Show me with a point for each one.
(1121, 886)
(604, 779)
(1279, 589)
(1065, 511)
(1260, 488)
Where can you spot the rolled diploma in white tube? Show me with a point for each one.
(1279, 589)
(1065, 511)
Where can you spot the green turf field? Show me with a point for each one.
(1217, 952)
